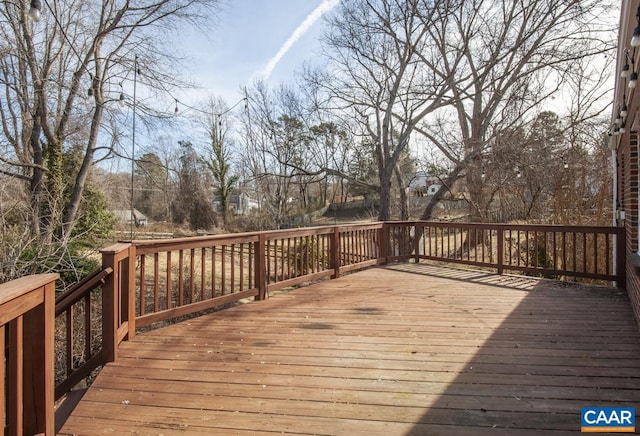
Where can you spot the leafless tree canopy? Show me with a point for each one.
(451, 74)
(63, 77)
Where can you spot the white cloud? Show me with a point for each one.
(314, 16)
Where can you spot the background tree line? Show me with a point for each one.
(462, 90)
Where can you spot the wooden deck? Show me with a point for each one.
(400, 350)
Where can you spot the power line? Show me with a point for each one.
(202, 111)
(72, 47)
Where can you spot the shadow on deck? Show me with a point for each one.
(405, 349)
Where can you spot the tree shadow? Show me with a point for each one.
(560, 347)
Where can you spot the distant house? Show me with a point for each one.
(423, 184)
(125, 216)
(239, 203)
(418, 182)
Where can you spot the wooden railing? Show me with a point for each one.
(144, 282)
(302, 255)
(561, 252)
(179, 277)
(118, 298)
(79, 331)
(182, 276)
(27, 340)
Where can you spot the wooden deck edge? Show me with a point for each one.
(361, 265)
(175, 312)
(298, 280)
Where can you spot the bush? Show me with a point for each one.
(308, 252)
(72, 265)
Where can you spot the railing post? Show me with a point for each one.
(15, 379)
(621, 258)
(27, 310)
(129, 297)
(500, 237)
(112, 299)
(417, 234)
(3, 377)
(260, 272)
(39, 334)
(334, 252)
(384, 243)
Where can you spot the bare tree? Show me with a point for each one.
(218, 158)
(548, 171)
(519, 169)
(455, 72)
(330, 155)
(377, 50)
(276, 147)
(505, 58)
(62, 79)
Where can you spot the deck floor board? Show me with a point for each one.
(408, 349)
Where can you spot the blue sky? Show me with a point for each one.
(246, 35)
(242, 39)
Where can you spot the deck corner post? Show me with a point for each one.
(130, 287)
(260, 272)
(384, 243)
(621, 258)
(109, 305)
(112, 294)
(38, 359)
(500, 237)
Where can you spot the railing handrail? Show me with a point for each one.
(147, 246)
(552, 227)
(194, 241)
(64, 305)
(78, 291)
(20, 287)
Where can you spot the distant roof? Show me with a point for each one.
(125, 215)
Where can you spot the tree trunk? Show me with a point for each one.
(404, 199)
(427, 213)
(36, 184)
(474, 191)
(475, 203)
(55, 190)
(71, 210)
(384, 211)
